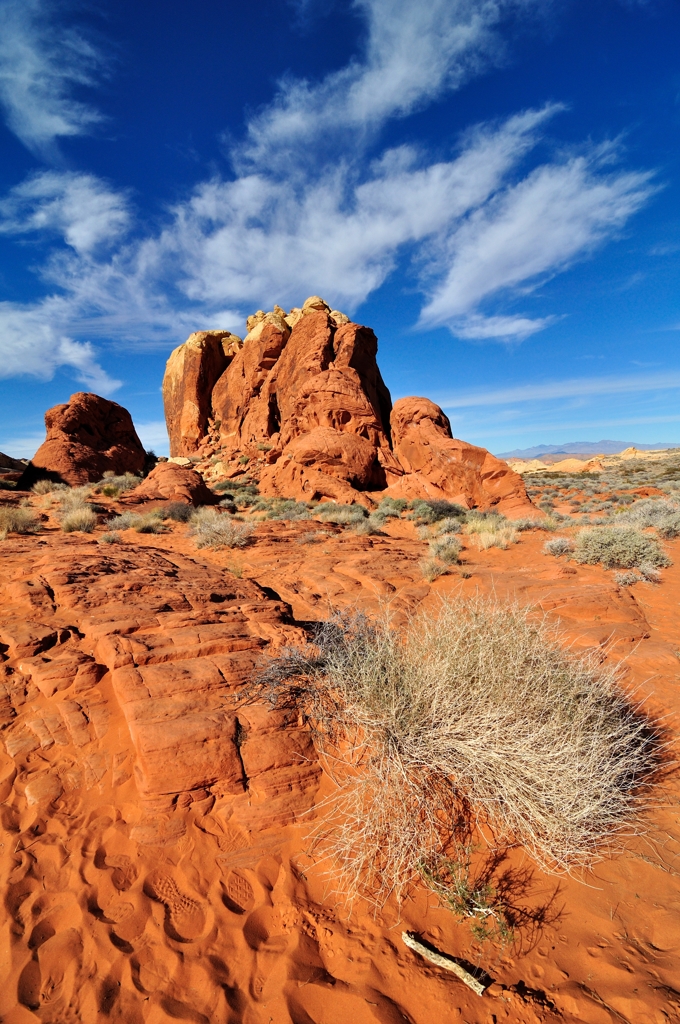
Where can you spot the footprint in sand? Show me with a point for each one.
(238, 893)
(185, 918)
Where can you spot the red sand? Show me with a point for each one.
(154, 870)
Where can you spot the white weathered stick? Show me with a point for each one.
(442, 960)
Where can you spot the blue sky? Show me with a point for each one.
(492, 185)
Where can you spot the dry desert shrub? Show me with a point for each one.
(343, 515)
(80, 520)
(146, 522)
(17, 520)
(473, 715)
(661, 513)
(178, 511)
(558, 546)
(212, 529)
(112, 484)
(110, 538)
(47, 487)
(286, 510)
(618, 547)
(491, 532)
(432, 569)
(446, 548)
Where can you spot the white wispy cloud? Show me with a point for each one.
(306, 211)
(40, 64)
(78, 207)
(574, 387)
(31, 344)
(413, 52)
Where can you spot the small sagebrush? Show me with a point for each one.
(558, 546)
(80, 520)
(287, 510)
(447, 549)
(212, 529)
(473, 714)
(618, 547)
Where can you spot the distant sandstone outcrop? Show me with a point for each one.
(86, 437)
(301, 402)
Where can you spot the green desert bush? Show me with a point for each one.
(17, 520)
(448, 526)
(288, 510)
(110, 538)
(393, 506)
(618, 547)
(79, 520)
(431, 511)
(473, 714)
(212, 529)
(342, 515)
(370, 526)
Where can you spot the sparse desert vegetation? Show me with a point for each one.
(15, 519)
(212, 529)
(79, 520)
(473, 713)
(618, 547)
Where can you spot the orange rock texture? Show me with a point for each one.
(302, 402)
(170, 482)
(155, 854)
(86, 437)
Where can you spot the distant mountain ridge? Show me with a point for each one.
(583, 448)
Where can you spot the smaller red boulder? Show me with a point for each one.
(86, 437)
(170, 482)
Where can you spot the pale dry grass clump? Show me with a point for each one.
(491, 533)
(212, 529)
(80, 520)
(17, 520)
(473, 715)
(47, 487)
(141, 522)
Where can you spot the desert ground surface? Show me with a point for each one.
(136, 888)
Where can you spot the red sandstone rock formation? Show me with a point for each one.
(192, 371)
(437, 465)
(170, 482)
(306, 389)
(86, 437)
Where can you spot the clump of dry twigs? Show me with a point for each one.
(474, 715)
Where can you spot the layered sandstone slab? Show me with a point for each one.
(135, 658)
(86, 437)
